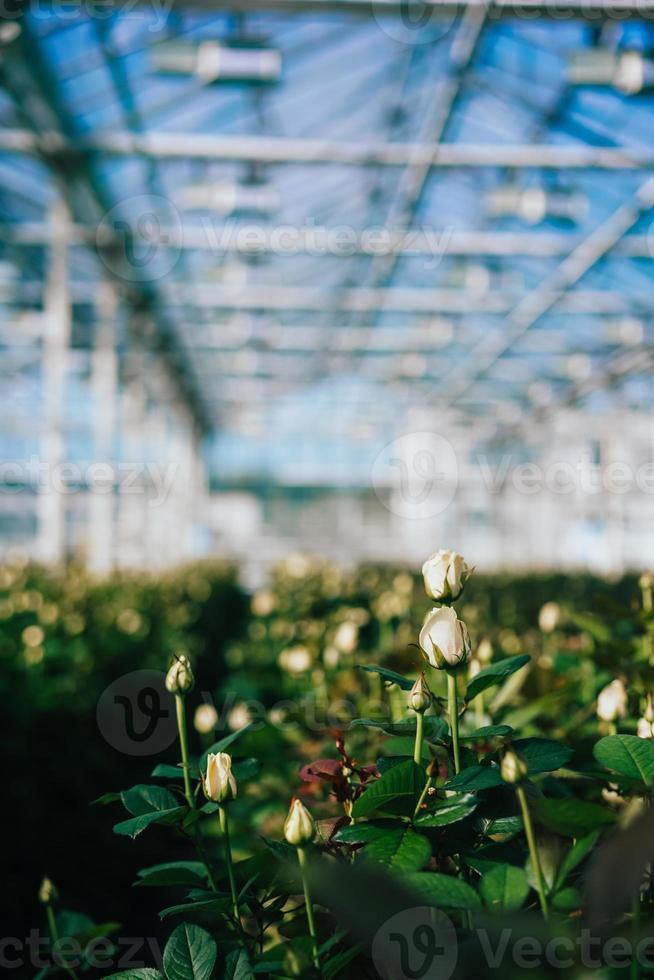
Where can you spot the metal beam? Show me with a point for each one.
(49, 143)
(242, 238)
(396, 299)
(595, 11)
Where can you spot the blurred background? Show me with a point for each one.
(291, 295)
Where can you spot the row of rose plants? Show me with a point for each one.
(458, 811)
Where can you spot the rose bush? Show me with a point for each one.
(496, 775)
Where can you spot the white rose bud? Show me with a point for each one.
(444, 639)
(644, 728)
(218, 782)
(299, 827)
(47, 892)
(549, 617)
(513, 769)
(420, 695)
(180, 679)
(205, 718)
(612, 701)
(445, 574)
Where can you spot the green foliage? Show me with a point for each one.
(391, 834)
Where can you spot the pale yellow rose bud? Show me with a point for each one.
(612, 701)
(444, 639)
(299, 827)
(47, 892)
(513, 769)
(180, 679)
(205, 719)
(218, 782)
(549, 617)
(420, 695)
(445, 575)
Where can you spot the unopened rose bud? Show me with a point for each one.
(299, 827)
(180, 679)
(484, 652)
(205, 718)
(444, 639)
(644, 728)
(420, 695)
(513, 769)
(218, 782)
(612, 701)
(649, 709)
(47, 892)
(549, 617)
(445, 575)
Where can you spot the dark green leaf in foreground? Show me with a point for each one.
(144, 799)
(542, 754)
(389, 676)
(570, 817)
(401, 849)
(237, 966)
(575, 856)
(442, 891)
(504, 887)
(495, 674)
(136, 825)
(448, 811)
(487, 731)
(402, 783)
(145, 973)
(211, 905)
(190, 953)
(193, 874)
(628, 755)
(476, 778)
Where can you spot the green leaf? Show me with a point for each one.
(487, 731)
(190, 953)
(361, 833)
(145, 973)
(575, 856)
(542, 754)
(504, 888)
(567, 900)
(570, 817)
(103, 800)
(222, 744)
(218, 904)
(434, 727)
(237, 966)
(190, 873)
(164, 771)
(402, 783)
(442, 891)
(628, 755)
(399, 850)
(136, 825)
(495, 674)
(504, 827)
(390, 676)
(448, 811)
(144, 799)
(476, 778)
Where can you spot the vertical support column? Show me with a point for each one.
(104, 383)
(131, 491)
(51, 507)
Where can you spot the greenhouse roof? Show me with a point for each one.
(334, 222)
